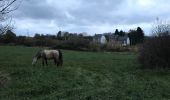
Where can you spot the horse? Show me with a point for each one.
(48, 54)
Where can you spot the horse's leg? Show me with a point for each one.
(46, 62)
(43, 62)
(58, 62)
(55, 61)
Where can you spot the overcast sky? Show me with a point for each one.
(91, 16)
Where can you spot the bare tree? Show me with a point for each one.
(161, 28)
(6, 7)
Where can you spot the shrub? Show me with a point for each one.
(116, 47)
(134, 49)
(94, 46)
(113, 46)
(155, 52)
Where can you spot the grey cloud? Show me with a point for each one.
(90, 10)
(36, 9)
(80, 15)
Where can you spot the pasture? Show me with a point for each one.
(83, 76)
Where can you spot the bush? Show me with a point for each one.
(155, 52)
(116, 47)
(113, 47)
(134, 49)
(94, 46)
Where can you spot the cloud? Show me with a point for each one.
(91, 16)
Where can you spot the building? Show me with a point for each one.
(99, 38)
(122, 40)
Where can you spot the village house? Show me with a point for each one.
(113, 39)
(122, 40)
(99, 38)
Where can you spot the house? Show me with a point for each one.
(99, 38)
(113, 39)
(122, 40)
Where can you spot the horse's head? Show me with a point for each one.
(36, 57)
(34, 60)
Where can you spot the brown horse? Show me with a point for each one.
(45, 55)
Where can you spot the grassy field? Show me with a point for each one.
(84, 76)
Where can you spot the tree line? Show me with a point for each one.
(66, 40)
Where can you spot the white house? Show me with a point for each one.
(123, 40)
(99, 38)
(103, 40)
(126, 41)
(114, 39)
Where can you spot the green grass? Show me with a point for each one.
(84, 76)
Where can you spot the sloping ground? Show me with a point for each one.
(84, 76)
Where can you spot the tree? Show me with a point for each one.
(9, 37)
(136, 36)
(116, 32)
(59, 35)
(37, 36)
(155, 51)
(66, 35)
(140, 34)
(6, 7)
(161, 28)
(21, 40)
(133, 37)
(121, 33)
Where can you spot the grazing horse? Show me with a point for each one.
(56, 55)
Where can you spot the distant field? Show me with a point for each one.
(84, 76)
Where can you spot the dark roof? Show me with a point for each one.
(118, 38)
(97, 36)
(122, 38)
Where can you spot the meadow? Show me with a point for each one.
(84, 76)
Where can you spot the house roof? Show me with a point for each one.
(97, 36)
(122, 38)
(118, 38)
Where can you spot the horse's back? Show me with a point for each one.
(51, 53)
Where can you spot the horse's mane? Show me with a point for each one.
(53, 48)
(38, 53)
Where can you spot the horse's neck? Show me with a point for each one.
(39, 54)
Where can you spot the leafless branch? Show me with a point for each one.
(6, 7)
(161, 28)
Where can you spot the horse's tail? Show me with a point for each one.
(60, 57)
